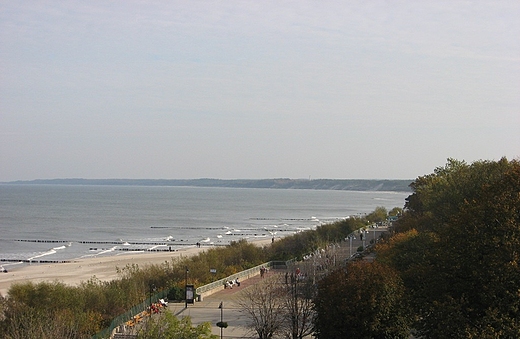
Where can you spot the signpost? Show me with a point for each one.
(190, 293)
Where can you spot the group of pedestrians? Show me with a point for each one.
(231, 283)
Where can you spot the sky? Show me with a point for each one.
(256, 89)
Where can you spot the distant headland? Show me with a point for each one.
(396, 185)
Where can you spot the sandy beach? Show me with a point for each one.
(103, 268)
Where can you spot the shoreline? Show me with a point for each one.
(102, 268)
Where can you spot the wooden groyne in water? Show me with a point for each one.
(38, 261)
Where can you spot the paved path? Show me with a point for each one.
(208, 310)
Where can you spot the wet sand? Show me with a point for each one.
(103, 268)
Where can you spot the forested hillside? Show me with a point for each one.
(282, 183)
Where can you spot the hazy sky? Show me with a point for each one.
(256, 89)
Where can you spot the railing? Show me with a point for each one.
(201, 291)
(122, 318)
(219, 284)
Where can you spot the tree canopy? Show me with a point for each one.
(363, 301)
(458, 250)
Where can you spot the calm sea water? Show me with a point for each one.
(52, 222)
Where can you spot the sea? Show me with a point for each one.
(56, 223)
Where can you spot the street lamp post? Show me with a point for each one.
(186, 288)
(221, 318)
(350, 237)
(221, 323)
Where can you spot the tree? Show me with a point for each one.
(49, 310)
(365, 301)
(261, 302)
(465, 264)
(30, 323)
(297, 295)
(167, 326)
(396, 211)
(378, 215)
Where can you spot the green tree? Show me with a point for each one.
(396, 211)
(54, 307)
(378, 215)
(32, 323)
(363, 302)
(167, 326)
(462, 270)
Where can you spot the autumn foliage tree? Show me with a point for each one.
(459, 251)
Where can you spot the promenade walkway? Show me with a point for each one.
(208, 310)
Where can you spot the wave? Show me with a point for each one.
(52, 251)
(156, 246)
(112, 249)
(65, 249)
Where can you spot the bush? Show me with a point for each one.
(175, 293)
